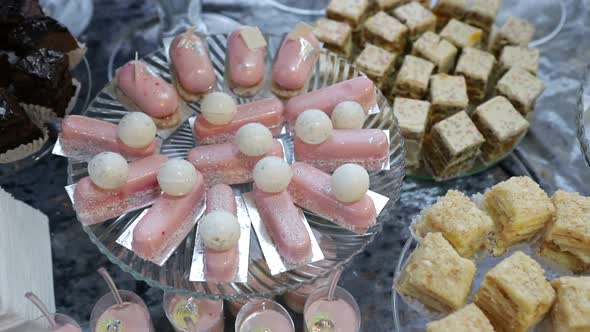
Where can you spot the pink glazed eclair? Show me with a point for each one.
(246, 66)
(191, 66)
(268, 112)
(138, 87)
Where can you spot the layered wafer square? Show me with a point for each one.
(476, 66)
(447, 9)
(353, 12)
(336, 36)
(417, 18)
(519, 57)
(386, 32)
(448, 96)
(412, 116)
(412, 78)
(378, 64)
(515, 31)
(521, 88)
(461, 34)
(482, 14)
(437, 50)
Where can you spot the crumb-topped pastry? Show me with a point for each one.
(519, 57)
(417, 18)
(459, 220)
(468, 319)
(571, 311)
(453, 145)
(461, 34)
(437, 50)
(519, 208)
(570, 230)
(336, 36)
(412, 78)
(437, 275)
(476, 66)
(501, 125)
(353, 12)
(482, 13)
(515, 31)
(448, 95)
(386, 32)
(15, 126)
(378, 64)
(515, 295)
(521, 88)
(412, 116)
(447, 9)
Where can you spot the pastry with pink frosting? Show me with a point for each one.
(138, 87)
(295, 62)
(268, 112)
(191, 66)
(246, 52)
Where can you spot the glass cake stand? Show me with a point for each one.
(583, 115)
(339, 245)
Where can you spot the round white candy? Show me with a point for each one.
(220, 230)
(348, 115)
(108, 170)
(272, 174)
(254, 139)
(177, 177)
(350, 182)
(218, 108)
(313, 126)
(136, 130)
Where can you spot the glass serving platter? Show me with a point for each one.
(339, 245)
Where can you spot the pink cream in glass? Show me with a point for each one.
(206, 315)
(265, 315)
(341, 313)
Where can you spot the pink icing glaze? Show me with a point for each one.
(246, 66)
(95, 136)
(220, 197)
(284, 225)
(95, 205)
(224, 163)
(311, 189)
(192, 66)
(294, 65)
(164, 219)
(366, 147)
(359, 89)
(268, 112)
(149, 92)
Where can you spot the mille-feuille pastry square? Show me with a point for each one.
(515, 31)
(461, 34)
(437, 275)
(521, 88)
(569, 231)
(417, 18)
(386, 32)
(437, 50)
(476, 66)
(452, 146)
(353, 12)
(336, 36)
(515, 295)
(468, 319)
(448, 96)
(482, 14)
(571, 312)
(412, 78)
(447, 9)
(412, 116)
(378, 64)
(519, 57)
(519, 208)
(460, 221)
(501, 125)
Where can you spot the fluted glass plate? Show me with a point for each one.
(339, 245)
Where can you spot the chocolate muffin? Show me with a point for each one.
(42, 78)
(13, 12)
(41, 32)
(15, 126)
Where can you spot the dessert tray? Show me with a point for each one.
(338, 245)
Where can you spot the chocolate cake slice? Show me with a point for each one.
(15, 126)
(13, 12)
(42, 78)
(41, 32)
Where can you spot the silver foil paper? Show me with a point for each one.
(59, 149)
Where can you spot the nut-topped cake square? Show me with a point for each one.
(412, 78)
(460, 221)
(519, 57)
(378, 64)
(571, 311)
(515, 31)
(482, 13)
(519, 208)
(386, 32)
(447, 9)
(521, 88)
(515, 295)
(437, 50)
(412, 116)
(476, 66)
(437, 275)
(353, 12)
(336, 36)
(417, 18)
(468, 319)
(448, 95)
(461, 34)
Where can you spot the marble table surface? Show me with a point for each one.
(550, 154)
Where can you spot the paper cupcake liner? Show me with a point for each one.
(41, 115)
(25, 150)
(76, 56)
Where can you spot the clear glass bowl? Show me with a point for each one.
(583, 115)
(339, 245)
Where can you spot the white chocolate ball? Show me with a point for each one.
(350, 182)
(177, 177)
(348, 115)
(220, 230)
(272, 174)
(313, 126)
(254, 139)
(218, 108)
(108, 170)
(136, 130)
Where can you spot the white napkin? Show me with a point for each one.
(25, 262)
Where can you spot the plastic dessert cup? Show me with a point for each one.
(206, 315)
(263, 315)
(342, 311)
(64, 323)
(295, 299)
(132, 313)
